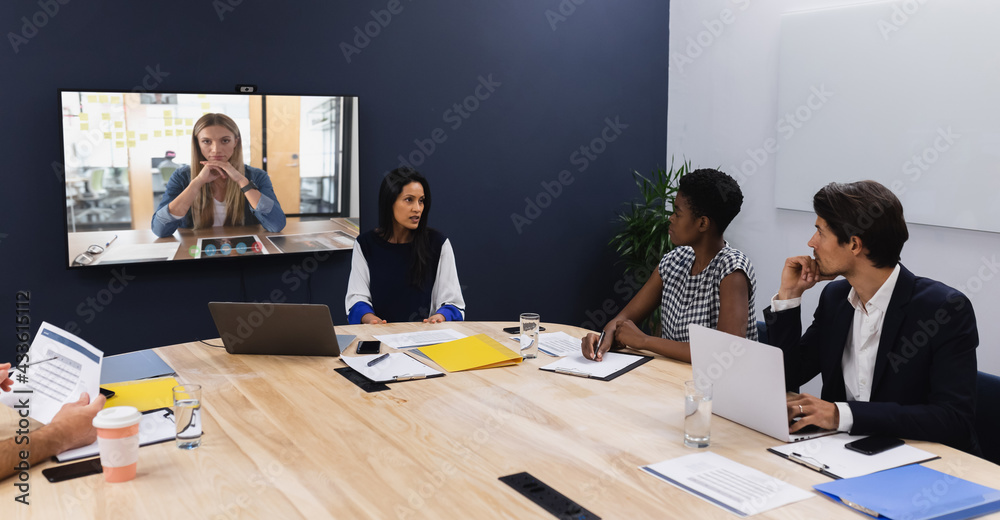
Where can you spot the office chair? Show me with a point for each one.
(988, 415)
(92, 197)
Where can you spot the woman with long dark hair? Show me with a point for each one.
(403, 270)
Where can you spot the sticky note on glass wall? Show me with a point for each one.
(157, 133)
(169, 132)
(131, 134)
(84, 126)
(119, 124)
(119, 144)
(106, 116)
(92, 98)
(167, 114)
(202, 96)
(84, 116)
(206, 106)
(143, 137)
(107, 135)
(102, 99)
(178, 122)
(119, 135)
(189, 121)
(131, 143)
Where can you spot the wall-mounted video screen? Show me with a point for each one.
(155, 177)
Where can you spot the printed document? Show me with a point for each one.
(68, 367)
(732, 486)
(556, 344)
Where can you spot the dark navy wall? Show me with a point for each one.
(572, 95)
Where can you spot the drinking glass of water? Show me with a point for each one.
(697, 413)
(529, 335)
(187, 415)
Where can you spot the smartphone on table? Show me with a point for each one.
(874, 444)
(368, 347)
(74, 470)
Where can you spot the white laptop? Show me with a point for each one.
(748, 382)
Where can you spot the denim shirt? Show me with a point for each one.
(268, 213)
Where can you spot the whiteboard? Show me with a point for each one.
(906, 93)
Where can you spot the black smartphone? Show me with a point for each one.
(368, 347)
(517, 330)
(74, 470)
(874, 444)
(107, 393)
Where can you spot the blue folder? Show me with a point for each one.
(913, 492)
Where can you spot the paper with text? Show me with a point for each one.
(730, 485)
(47, 386)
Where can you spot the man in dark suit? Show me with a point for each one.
(897, 351)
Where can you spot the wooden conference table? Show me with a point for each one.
(188, 238)
(287, 437)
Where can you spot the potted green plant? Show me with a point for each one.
(643, 240)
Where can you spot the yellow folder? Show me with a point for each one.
(479, 351)
(144, 394)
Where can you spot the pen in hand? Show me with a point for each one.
(377, 360)
(597, 346)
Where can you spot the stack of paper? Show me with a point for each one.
(479, 351)
(418, 339)
(732, 486)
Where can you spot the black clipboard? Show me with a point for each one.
(638, 362)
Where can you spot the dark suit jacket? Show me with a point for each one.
(924, 384)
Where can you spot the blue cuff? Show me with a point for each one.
(358, 311)
(450, 313)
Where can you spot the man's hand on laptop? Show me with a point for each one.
(811, 410)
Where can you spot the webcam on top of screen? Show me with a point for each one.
(246, 89)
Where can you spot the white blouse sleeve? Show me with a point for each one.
(358, 286)
(447, 290)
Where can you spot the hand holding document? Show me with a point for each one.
(72, 366)
(732, 486)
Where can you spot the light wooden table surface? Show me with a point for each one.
(287, 437)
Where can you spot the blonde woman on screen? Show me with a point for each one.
(218, 189)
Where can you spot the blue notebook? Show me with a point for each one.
(913, 492)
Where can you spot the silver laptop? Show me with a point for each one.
(748, 382)
(283, 329)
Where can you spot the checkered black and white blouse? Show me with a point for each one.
(694, 299)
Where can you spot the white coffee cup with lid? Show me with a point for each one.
(118, 441)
